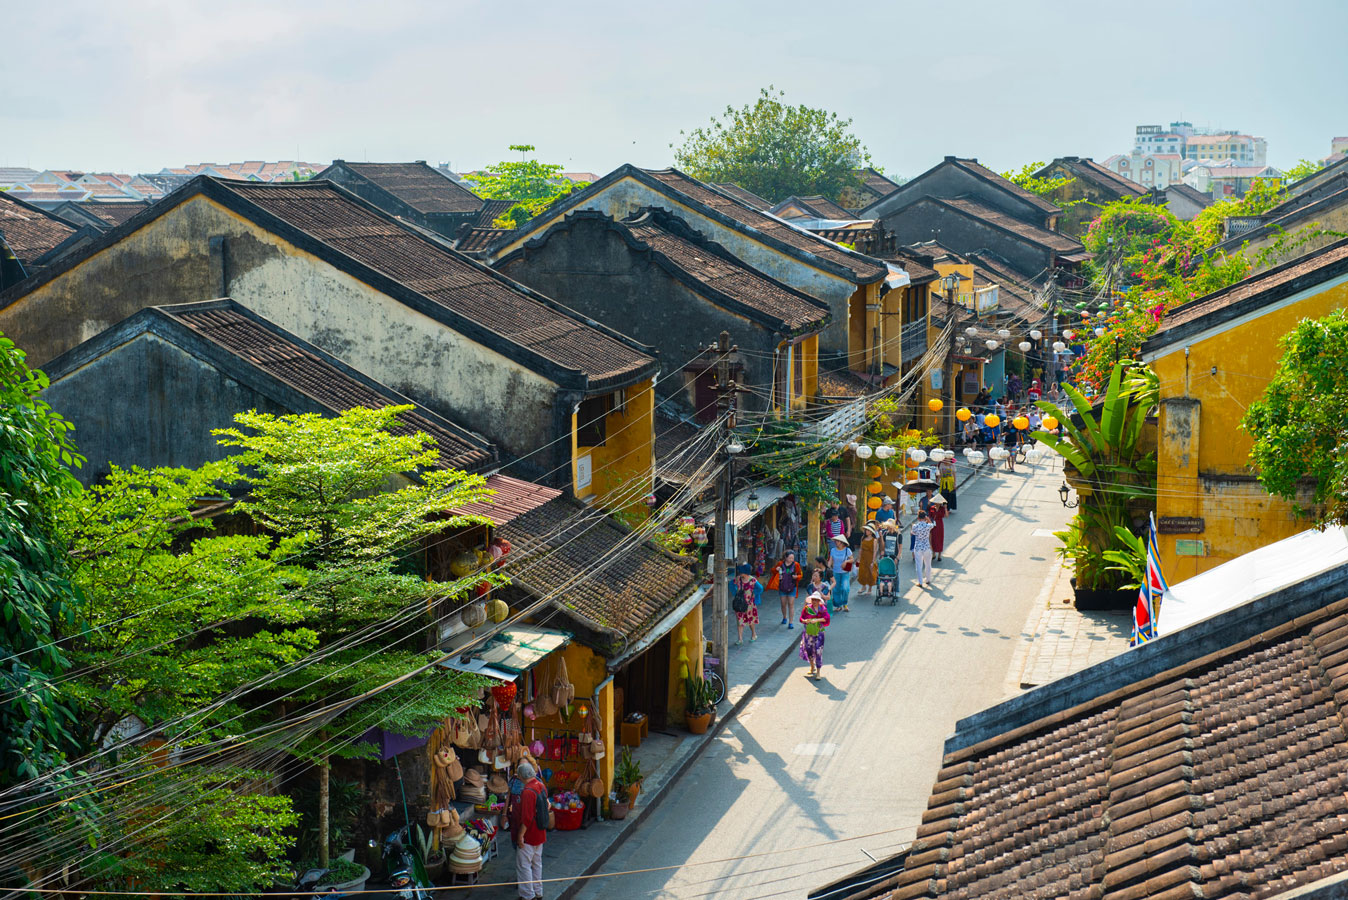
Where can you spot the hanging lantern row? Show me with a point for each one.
(1025, 346)
(992, 420)
(935, 404)
(974, 457)
(963, 414)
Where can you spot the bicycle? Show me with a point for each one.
(711, 675)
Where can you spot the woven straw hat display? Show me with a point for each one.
(498, 785)
(473, 778)
(466, 857)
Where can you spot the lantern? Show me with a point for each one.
(1036, 334)
(917, 455)
(1067, 335)
(1003, 333)
(992, 420)
(998, 453)
(1100, 332)
(976, 458)
(1050, 423)
(1059, 346)
(990, 344)
(884, 451)
(971, 331)
(651, 500)
(463, 562)
(873, 471)
(497, 610)
(963, 414)
(700, 535)
(1024, 346)
(874, 487)
(873, 502)
(864, 451)
(936, 455)
(1020, 423)
(474, 615)
(934, 404)
(1033, 454)
(503, 694)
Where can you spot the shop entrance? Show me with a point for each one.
(644, 684)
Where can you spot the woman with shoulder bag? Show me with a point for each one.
(745, 603)
(786, 578)
(844, 564)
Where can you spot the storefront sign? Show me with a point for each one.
(936, 379)
(584, 472)
(1191, 548)
(1179, 525)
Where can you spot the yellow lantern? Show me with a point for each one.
(991, 420)
(934, 404)
(497, 610)
(873, 472)
(1050, 423)
(963, 414)
(1021, 423)
(462, 563)
(873, 503)
(874, 487)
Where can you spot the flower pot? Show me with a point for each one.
(355, 884)
(1103, 599)
(435, 865)
(618, 810)
(697, 724)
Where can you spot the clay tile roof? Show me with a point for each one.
(842, 383)
(1051, 239)
(628, 585)
(328, 214)
(863, 268)
(114, 213)
(1252, 293)
(816, 205)
(287, 359)
(1221, 777)
(707, 264)
(744, 195)
(675, 457)
(475, 240)
(877, 183)
(1089, 168)
(491, 211)
(974, 167)
(419, 186)
(30, 232)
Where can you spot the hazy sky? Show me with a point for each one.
(136, 85)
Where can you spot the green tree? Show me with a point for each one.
(38, 604)
(1300, 424)
(1044, 187)
(1302, 169)
(775, 150)
(536, 185)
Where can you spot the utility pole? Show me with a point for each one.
(725, 535)
(951, 284)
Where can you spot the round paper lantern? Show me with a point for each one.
(873, 472)
(474, 614)
(971, 331)
(1068, 335)
(935, 404)
(1050, 422)
(1100, 332)
(497, 610)
(1003, 333)
(1059, 346)
(463, 563)
(864, 451)
(990, 344)
(936, 455)
(976, 458)
(992, 420)
(1036, 334)
(917, 455)
(963, 414)
(874, 487)
(504, 694)
(884, 451)
(1020, 423)
(873, 502)
(1024, 346)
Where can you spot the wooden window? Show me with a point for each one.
(590, 421)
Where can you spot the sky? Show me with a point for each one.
(138, 85)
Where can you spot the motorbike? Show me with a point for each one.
(405, 873)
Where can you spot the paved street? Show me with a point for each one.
(813, 776)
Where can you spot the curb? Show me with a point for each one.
(654, 801)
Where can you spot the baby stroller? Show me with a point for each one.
(887, 581)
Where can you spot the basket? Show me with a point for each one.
(569, 819)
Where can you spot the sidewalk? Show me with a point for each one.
(1062, 639)
(664, 756)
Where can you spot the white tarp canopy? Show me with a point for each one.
(1255, 574)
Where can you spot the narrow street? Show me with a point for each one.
(814, 776)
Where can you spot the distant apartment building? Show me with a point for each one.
(1159, 152)
(1151, 170)
(1338, 149)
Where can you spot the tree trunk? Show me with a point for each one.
(323, 814)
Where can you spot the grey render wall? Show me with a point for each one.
(150, 403)
(949, 181)
(926, 220)
(592, 269)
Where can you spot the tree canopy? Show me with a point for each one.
(536, 185)
(1032, 182)
(775, 150)
(1300, 424)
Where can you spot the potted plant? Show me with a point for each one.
(627, 778)
(433, 857)
(622, 802)
(343, 877)
(700, 704)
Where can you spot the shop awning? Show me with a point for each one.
(512, 652)
(740, 514)
(514, 497)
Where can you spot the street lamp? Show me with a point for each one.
(752, 502)
(1064, 492)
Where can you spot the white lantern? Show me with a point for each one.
(1003, 333)
(1059, 346)
(971, 331)
(1024, 346)
(990, 344)
(1067, 335)
(969, 453)
(976, 458)
(936, 455)
(864, 451)
(1100, 332)
(884, 451)
(917, 455)
(997, 453)
(1036, 334)
(1033, 454)
(852, 446)
(1101, 315)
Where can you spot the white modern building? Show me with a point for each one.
(1151, 170)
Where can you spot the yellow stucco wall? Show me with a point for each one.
(587, 670)
(809, 355)
(1202, 455)
(685, 639)
(623, 468)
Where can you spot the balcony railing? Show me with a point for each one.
(914, 341)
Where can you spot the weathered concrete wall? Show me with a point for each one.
(150, 403)
(591, 269)
(171, 260)
(1300, 239)
(628, 195)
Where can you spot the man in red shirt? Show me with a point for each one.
(527, 837)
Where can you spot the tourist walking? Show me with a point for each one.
(815, 618)
(886, 512)
(526, 834)
(867, 560)
(786, 578)
(847, 511)
(937, 512)
(821, 580)
(747, 592)
(831, 527)
(946, 473)
(922, 530)
(843, 564)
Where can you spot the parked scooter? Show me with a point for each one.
(406, 875)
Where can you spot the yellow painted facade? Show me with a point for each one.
(1202, 454)
(804, 375)
(685, 659)
(587, 671)
(622, 468)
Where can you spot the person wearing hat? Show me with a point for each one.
(814, 617)
(746, 586)
(937, 512)
(525, 834)
(786, 578)
(945, 471)
(922, 529)
(843, 564)
(868, 570)
(886, 511)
